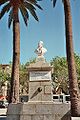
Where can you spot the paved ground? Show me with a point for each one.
(2, 117)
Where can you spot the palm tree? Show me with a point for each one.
(13, 7)
(73, 84)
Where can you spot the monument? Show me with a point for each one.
(40, 105)
(40, 77)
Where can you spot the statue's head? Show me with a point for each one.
(40, 44)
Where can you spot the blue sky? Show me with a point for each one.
(49, 29)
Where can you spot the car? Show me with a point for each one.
(61, 98)
(3, 104)
(56, 98)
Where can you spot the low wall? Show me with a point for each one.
(39, 111)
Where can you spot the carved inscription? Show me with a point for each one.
(40, 75)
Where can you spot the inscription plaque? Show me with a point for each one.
(40, 75)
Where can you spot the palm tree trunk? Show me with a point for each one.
(73, 84)
(14, 94)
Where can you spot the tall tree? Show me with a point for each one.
(13, 7)
(73, 84)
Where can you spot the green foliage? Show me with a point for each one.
(59, 75)
(24, 78)
(4, 76)
(60, 72)
(32, 60)
(77, 60)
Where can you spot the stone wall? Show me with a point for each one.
(39, 111)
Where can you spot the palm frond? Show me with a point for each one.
(34, 2)
(54, 2)
(24, 13)
(38, 6)
(3, 1)
(63, 1)
(5, 9)
(32, 11)
(31, 1)
(28, 5)
(10, 18)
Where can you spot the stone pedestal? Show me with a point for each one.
(40, 105)
(40, 81)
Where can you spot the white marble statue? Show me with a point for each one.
(40, 51)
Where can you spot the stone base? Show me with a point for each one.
(38, 111)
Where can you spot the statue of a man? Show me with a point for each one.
(40, 51)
